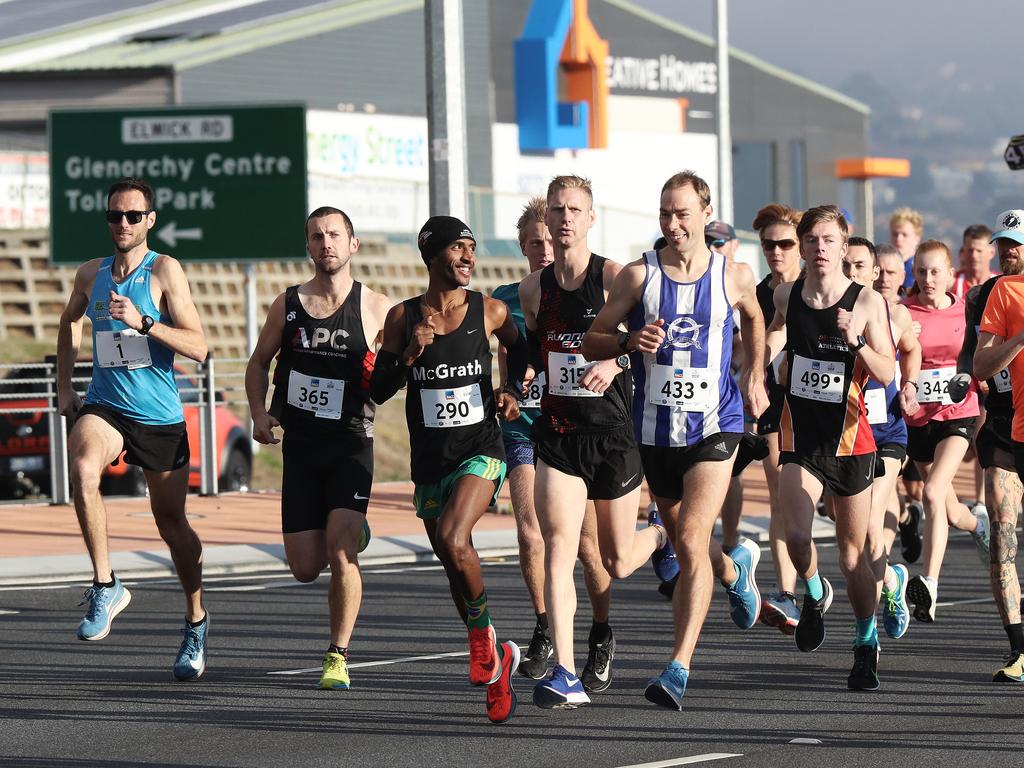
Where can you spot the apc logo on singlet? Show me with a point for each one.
(683, 333)
(322, 337)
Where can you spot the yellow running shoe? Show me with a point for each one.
(1013, 672)
(335, 676)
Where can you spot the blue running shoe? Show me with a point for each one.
(744, 597)
(895, 611)
(667, 689)
(561, 689)
(666, 567)
(364, 536)
(191, 661)
(104, 604)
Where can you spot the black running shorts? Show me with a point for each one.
(993, 444)
(665, 467)
(922, 441)
(841, 475)
(607, 462)
(896, 451)
(157, 447)
(321, 475)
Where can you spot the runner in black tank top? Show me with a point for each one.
(322, 352)
(323, 333)
(449, 405)
(438, 345)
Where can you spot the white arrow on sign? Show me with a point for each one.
(170, 234)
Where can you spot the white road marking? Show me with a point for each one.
(4, 612)
(804, 740)
(380, 663)
(686, 760)
(971, 601)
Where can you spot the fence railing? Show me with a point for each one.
(205, 386)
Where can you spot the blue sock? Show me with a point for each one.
(814, 588)
(867, 632)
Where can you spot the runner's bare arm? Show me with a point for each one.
(870, 319)
(752, 334)
(69, 337)
(378, 306)
(995, 353)
(499, 322)
(910, 358)
(601, 341)
(257, 374)
(775, 334)
(185, 336)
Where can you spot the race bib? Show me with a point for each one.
(819, 380)
(933, 385)
(567, 371)
(321, 397)
(1002, 381)
(122, 349)
(687, 389)
(456, 407)
(534, 392)
(874, 401)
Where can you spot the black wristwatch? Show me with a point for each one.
(147, 323)
(623, 362)
(623, 339)
(861, 343)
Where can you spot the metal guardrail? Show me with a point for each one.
(195, 389)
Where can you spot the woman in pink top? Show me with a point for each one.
(939, 433)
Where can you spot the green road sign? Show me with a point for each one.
(229, 182)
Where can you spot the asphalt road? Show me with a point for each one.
(753, 699)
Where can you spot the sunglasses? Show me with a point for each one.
(134, 217)
(715, 243)
(769, 245)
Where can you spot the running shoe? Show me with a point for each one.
(1012, 671)
(895, 612)
(364, 536)
(104, 603)
(191, 661)
(561, 689)
(744, 597)
(779, 610)
(668, 688)
(501, 696)
(666, 568)
(335, 674)
(810, 631)
(864, 675)
(668, 588)
(981, 537)
(924, 596)
(535, 663)
(484, 662)
(910, 532)
(597, 674)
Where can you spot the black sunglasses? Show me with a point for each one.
(769, 245)
(134, 217)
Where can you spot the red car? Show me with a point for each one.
(25, 441)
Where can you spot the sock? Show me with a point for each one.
(105, 583)
(600, 632)
(542, 621)
(933, 581)
(867, 632)
(478, 617)
(1016, 634)
(342, 650)
(814, 587)
(889, 581)
(199, 623)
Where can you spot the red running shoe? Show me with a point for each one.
(484, 663)
(501, 696)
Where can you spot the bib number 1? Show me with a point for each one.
(122, 349)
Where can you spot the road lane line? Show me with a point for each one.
(380, 663)
(686, 760)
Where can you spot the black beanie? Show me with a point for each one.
(438, 233)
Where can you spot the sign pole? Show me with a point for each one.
(251, 329)
(725, 210)
(446, 108)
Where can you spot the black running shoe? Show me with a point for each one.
(535, 663)
(910, 533)
(810, 632)
(597, 675)
(864, 675)
(667, 588)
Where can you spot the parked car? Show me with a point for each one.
(25, 440)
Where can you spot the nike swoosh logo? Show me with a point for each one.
(629, 480)
(473, 331)
(196, 663)
(602, 676)
(357, 497)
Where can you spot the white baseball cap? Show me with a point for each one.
(1010, 224)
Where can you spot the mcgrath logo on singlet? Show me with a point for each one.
(443, 371)
(566, 340)
(322, 337)
(683, 333)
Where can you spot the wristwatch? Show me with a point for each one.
(861, 343)
(623, 339)
(147, 323)
(623, 362)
